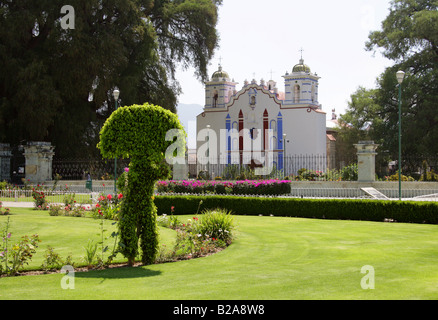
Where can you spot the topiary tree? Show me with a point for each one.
(139, 133)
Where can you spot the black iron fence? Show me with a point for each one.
(305, 167)
(86, 169)
(308, 167)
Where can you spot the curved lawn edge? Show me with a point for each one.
(272, 258)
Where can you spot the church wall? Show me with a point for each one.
(305, 130)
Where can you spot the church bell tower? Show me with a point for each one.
(301, 87)
(219, 90)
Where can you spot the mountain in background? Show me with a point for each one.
(187, 114)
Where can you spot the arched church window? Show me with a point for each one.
(215, 98)
(297, 94)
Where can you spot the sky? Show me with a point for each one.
(258, 37)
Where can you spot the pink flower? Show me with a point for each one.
(120, 196)
(172, 208)
(109, 197)
(126, 169)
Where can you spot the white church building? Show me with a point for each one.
(244, 126)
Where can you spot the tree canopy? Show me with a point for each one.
(56, 84)
(409, 37)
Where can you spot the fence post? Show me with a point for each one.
(5, 161)
(366, 161)
(39, 157)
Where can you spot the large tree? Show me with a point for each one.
(358, 123)
(409, 37)
(56, 83)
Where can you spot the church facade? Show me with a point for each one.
(259, 122)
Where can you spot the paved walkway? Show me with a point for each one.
(30, 205)
(17, 204)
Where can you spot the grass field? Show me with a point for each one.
(272, 258)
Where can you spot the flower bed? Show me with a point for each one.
(243, 187)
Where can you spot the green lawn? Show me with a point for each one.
(271, 258)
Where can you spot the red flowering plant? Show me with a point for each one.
(108, 206)
(4, 211)
(14, 257)
(39, 197)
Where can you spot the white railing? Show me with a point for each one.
(334, 193)
(21, 195)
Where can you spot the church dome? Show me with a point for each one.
(301, 67)
(220, 75)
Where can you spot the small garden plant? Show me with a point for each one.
(14, 256)
(199, 236)
(4, 211)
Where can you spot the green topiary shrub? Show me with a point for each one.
(140, 133)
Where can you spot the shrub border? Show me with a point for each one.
(333, 209)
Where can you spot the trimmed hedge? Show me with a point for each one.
(335, 209)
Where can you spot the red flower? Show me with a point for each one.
(120, 196)
(100, 212)
(109, 197)
(97, 205)
(172, 208)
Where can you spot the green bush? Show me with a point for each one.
(217, 223)
(349, 173)
(3, 185)
(394, 177)
(198, 236)
(336, 209)
(56, 210)
(429, 176)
